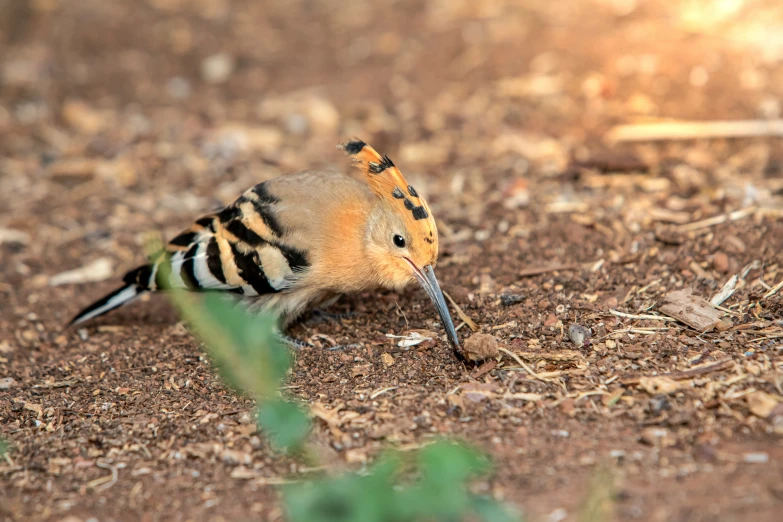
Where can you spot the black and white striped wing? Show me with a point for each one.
(242, 249)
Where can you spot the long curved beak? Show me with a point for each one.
(428, 281)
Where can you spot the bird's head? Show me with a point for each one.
(401, 236)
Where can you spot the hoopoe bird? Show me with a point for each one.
(301, 241)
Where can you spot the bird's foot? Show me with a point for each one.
(292, 342)
(344, 347)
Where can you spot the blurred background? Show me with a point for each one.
(121, 117)
(166, 107)
(134, 115)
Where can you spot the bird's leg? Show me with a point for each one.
(321, 316)
(344, 347)
(292, 342)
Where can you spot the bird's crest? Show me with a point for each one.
(385, 179)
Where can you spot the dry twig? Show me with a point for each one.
(717, 220)
(725, 364)
(640, 316)
(524, 365)
(690, 130)
(468, 321)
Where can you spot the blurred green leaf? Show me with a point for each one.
(441, 493)
(598, 505)
(348, 498)
(437, 496)
(242, 344)
(3, 448)
(490, 510)
(452, 462)
(284, 423)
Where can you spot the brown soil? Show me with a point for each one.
(112, 126)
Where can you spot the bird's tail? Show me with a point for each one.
(136, 281)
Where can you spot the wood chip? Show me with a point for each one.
(484, 369)
(648, 317)
(387, 359)
(530, 272)
(725, 292)
(774, 290)
(9, 235)
(689, 130)
(697, 371)
(659, 385)
(691, 310)
(99, 270)
(761, 404)
(717, 220)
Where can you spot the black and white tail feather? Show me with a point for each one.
(241, 250)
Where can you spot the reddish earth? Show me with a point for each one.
(115, 122)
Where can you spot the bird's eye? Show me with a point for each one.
(399, 241)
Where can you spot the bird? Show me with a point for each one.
(300, 241)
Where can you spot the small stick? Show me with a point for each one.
(725, 292)
(641, 316)
(717, 220)
(104, 483)
(691, 130)
(560, 356)
(524, 365)
(640, 331)
(473, 326)
(530, 272)
(688, 374)
(774, 290)
(60, 384)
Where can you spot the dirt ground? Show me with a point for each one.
(123, 118)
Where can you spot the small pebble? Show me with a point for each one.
(217, 68)
(721, 262)
(755, 458)
(178, 88)
(511, 299)
(579, 335)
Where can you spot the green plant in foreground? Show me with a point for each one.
(248, 355)
(439, 494)
(3, 448)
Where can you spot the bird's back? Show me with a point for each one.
(265, 245)
(270, 237)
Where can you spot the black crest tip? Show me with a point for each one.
(353, 147)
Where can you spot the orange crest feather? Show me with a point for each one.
(384, 178)
(386, 181)
(379, 171)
